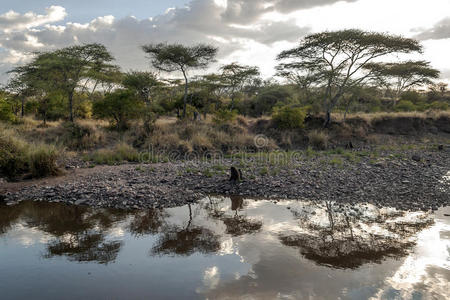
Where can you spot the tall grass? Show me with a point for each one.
(18, 157)
(120, 153)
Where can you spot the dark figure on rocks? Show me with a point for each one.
(441, 147)
(349, 145)
(236, 174)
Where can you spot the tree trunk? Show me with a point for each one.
(347, 108)
(327, 119)
(71, 106)
(22, 113)
(232, 101)
(185, 93)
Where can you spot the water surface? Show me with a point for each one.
(223, 248)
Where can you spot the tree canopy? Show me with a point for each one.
(337, 59)
(176, 57)
(403, 76)
(65, 68)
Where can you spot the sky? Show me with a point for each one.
(251, 32)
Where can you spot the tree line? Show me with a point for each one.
(328, 71)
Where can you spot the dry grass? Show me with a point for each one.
(318, 139)
(18, 157)
(203, 136)
(369, 117)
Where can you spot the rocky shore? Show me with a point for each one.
(404, 180)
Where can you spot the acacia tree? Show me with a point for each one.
(400, 77)
(176, 57)
(142, 83)
(236, 77)
(64, 69)
(21, 88)
(337, 59)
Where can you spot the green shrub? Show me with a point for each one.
(6, 113)
(223, 116)
(119, 107)
(42, 161)
(289, 117)
(438, 105)
(318, 139)
(405, 105)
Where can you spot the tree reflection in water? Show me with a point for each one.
(78, 232)
(329, 233)
(147, 222)
(353, 235)
(186, 240)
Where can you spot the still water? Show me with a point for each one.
(224, 248)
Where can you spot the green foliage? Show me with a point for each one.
(119, 107)
(405, 105)
(335, 59)
(223, 116)
(83, 107)
(412, 96)
(141, 82)
(288, 117)
(438, 105)
(63, 70)
(6, 112)
(176, 57)
(266, 100)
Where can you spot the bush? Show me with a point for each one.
(42, 161)
(318, 139)
(120, 153)
(405, 105)
(80, 137)
(6, 113)
(13, 155)
(223, 116)
(438, 105)
(289, 117)
(17, 158)
(119, 107)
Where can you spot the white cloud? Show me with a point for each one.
(250, 31)
(202, 21)
(440, 30)
(11, 20)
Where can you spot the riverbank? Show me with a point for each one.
(407, 179)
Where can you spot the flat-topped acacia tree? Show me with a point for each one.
(176, 57)
(336, 60)
(236, 76)
(402, 76)
(65, 68)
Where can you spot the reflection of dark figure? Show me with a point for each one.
(239, 225)
(237, 203)
(235, 174)
(186, 241)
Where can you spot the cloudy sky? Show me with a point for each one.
(248, 31)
